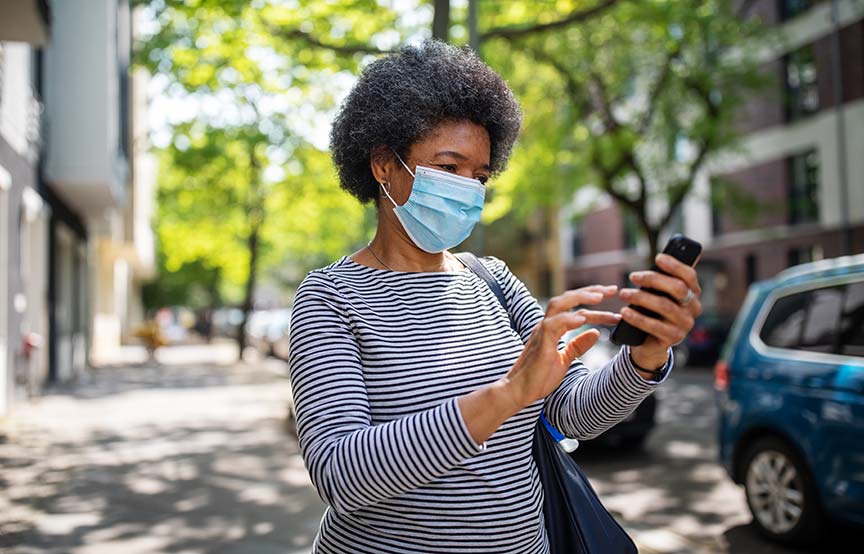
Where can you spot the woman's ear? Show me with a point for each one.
(381, 163)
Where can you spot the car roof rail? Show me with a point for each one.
(821, 265)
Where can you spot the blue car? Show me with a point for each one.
(790, 385)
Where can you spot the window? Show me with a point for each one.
(750, 269)
(793, 8)
(828, 320)
(802, 90)
(851, 333)
(631, 231)
(576, 239)
(803, 188)
(783, 325)
(820, 329)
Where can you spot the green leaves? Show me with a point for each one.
(632, 97)
(643, 95)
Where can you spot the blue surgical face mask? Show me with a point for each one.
(442, 209)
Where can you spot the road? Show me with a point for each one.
(673, 496)
(191, 455)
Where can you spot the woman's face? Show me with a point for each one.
(460, 147)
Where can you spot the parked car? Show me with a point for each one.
(226, 321)
(633, 431)
(276, 337)
(706, 339)
(790, 384)
(256, 330)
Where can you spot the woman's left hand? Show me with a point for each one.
(678, 317)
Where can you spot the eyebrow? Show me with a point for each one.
(458, 156)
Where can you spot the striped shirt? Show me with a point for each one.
(378, 359)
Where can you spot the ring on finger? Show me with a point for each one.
(688, 298)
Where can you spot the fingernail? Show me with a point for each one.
(635, 276)
(626, 293)
(616, 316)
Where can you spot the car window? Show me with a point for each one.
(852, 322)
(783, 325)
(820, 327)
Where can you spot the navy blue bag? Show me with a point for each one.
(576, 520)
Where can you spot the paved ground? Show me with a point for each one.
(191, 456)
(188, 457)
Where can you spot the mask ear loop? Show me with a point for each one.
(403, 163)
(386, 191)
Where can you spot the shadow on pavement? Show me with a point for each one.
(179, 458)
(197, 488)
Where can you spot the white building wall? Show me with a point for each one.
(83, 105)
(6, 370)
(818, 132)
(16, 97)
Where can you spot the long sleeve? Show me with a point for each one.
(586, 403)
(353, 463)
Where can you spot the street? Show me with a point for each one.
(191, 455)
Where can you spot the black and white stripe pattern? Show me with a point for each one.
(378, 359)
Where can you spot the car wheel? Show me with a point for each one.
(780, 493)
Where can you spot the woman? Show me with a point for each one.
(415, 399)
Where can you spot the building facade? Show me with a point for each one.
(801, 160)
(75, 239)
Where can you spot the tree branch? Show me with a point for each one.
(347, 48)
(685, 185)
(654, 91)
(744, 8)
(575, 90)
(517, 31)
(602, 101)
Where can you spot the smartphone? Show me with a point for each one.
(682, 249)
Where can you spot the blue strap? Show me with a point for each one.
(556, 434)
(474, 264)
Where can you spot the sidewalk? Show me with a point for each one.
(190, 456)
(187, 456)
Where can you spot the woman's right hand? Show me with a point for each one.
(541, 367)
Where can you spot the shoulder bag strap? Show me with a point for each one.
(474, 264)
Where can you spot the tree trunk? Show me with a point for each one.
(252, 243)
(653, 236)
(441, 20)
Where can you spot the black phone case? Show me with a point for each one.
(679, 247)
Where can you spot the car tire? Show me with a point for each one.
(781, 493)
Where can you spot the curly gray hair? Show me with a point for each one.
(401, 98)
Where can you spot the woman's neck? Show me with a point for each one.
(394, 250)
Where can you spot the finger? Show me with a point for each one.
(572, 298)
(694, 307)
(667, 333)
(670, 311)
(580, 345)
(673, 286)
(605, 290)
(681, 270)
(552, 328)
(597, 317)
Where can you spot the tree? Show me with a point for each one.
(635, 103)
(236, 177)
